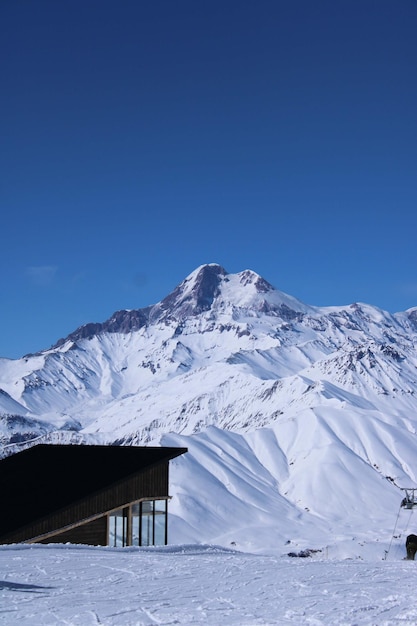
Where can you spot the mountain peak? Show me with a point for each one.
(207, 287)
(248, 277)
(204, 275)
(195, 293)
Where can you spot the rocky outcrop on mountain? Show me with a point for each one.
(120, 322)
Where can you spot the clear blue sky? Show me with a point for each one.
(141, 139)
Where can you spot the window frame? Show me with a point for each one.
(128, 516)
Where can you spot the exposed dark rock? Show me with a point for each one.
(127, 321)
(262, 286)
(288, 314)
(391, 352)
(303, 553)
(190, 299)
(412, 316)
(120, 322)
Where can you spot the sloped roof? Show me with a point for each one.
(34, 479)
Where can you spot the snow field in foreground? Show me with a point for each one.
(86, 586)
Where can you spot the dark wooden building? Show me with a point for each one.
(97, 495)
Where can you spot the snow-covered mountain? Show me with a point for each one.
(296, 417)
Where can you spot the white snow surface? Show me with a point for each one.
(206, 584)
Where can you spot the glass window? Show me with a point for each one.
(147, 530)
(135, 524)
(160, 522)
(146, 521)
(118, 528)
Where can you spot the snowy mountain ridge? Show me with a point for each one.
(289, 411)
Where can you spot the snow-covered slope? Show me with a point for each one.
(288, 410)
(199, 585)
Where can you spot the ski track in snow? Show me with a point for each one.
(86, 586)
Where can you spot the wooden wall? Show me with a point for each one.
(92, 533)
(150, 483)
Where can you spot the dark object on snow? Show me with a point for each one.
(305, 553)
(411, 546)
